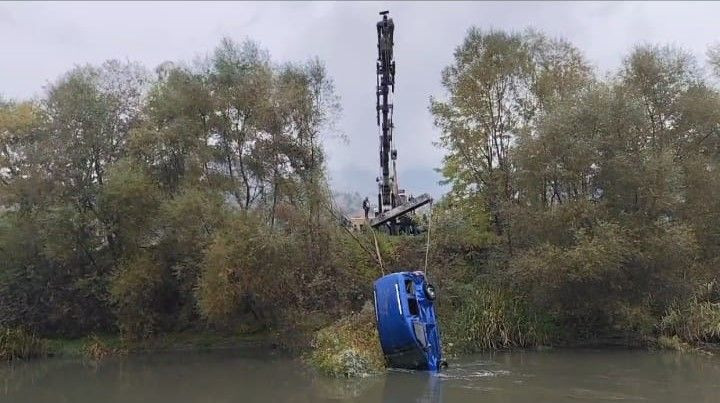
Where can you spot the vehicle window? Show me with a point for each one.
(410, 287)
(413, 306)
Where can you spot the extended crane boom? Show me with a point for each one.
(385, 69)
(392, 204)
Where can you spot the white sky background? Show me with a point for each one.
(40, 41)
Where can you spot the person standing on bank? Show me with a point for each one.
(366, 207)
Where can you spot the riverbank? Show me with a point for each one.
(347, 349)
(98, 346)
(350, 347)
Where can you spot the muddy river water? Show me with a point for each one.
(262, 376)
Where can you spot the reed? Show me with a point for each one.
(491, 319)
(695, 322)
(18, 343)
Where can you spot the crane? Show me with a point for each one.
(393, 205)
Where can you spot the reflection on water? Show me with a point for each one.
(266, 376)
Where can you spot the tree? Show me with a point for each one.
(500, 86)
(609, 205)
(242, 80)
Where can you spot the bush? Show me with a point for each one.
(135, 295)
(350, 347)
(96, 348)
(236, 268)
(17, 343)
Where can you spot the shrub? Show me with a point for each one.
(135, 293)
(234, 268)
(350, 347)
(96, 348)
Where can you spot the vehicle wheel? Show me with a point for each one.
(430, 291)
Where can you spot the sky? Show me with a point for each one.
(40, 41)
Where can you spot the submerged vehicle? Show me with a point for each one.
(405, 315)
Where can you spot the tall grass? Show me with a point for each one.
(695, 322)
(18, 343)
(489, 319)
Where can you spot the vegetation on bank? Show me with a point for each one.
(597, 193)
(18, 344)
(188, 199)
(349, 347)
(695, 322)
(493, 319)
(583, 207)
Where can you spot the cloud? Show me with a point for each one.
(6, 17)
(43, 40)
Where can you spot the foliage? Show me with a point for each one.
(582, 206)
(349, 347)
(672, 343)
(698, 322)
(96, 348)
(276, 276)
(136, 293)
(128, 199)
(235, 256)
(599, 192)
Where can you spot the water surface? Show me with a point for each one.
(267, 376)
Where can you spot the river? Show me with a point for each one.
(268, 376)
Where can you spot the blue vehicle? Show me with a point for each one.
(405, 314)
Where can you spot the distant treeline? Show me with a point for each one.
(584, 207)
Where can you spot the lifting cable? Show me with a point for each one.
(427, 245)
(376, 256)
(377, 250)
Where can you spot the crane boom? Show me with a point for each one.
(385, 69)
(393, 206)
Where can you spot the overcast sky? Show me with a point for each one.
(40, 41)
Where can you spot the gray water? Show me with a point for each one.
(262, 376)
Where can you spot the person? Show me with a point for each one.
(366, 207)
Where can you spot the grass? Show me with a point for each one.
(694, 323)
(20, 344)
(85, 347)
(673, 343)
(349, 348)
(179, 341)
(491, 319)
